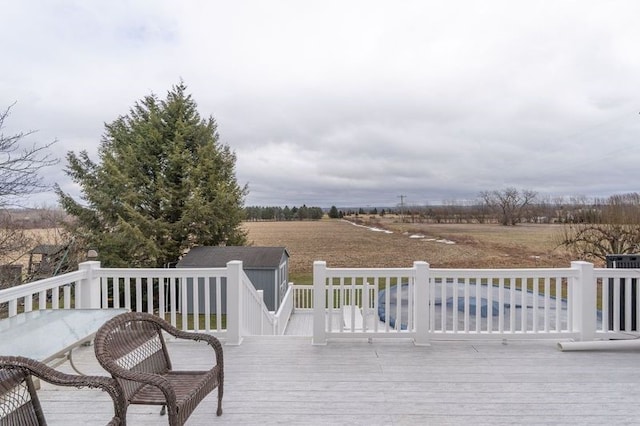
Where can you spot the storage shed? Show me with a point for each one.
(266, 267)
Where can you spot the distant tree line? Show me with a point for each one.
(511, 207)
(591, 228)
(257, 213)
(334, 213)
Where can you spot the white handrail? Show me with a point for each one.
(257, 320)
(476, 303)
(285, 310)
(46, 292)
(579, 302)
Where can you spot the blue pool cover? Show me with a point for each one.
(404, 301)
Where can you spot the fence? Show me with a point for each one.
(422, 303)
(218, 300)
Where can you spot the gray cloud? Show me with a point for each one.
(349, 102)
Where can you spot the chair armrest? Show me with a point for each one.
(55, 377)
(180, 334)
(207, 338)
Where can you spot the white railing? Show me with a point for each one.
(302, 297)
(506, 301)
(256, 318)
(218, 300)
(423, 303)
(580, 302)
(189, 298)
(284, 311)
(62, 292)
(349, 301)
(618, 291)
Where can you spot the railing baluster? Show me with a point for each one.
(535, 314)
(195, 303)
(628, 298)
(411, 288)
(183, 297)
(501, 315)
(525, 305)
(558, 300)
(150, 294)
(173, 299)
(444, 326)
(28, 303)
(478, 306)
(121, 293)
(161, 297)
(466, 304)
(218, 286)
(616, 304)
(604, 292)
(489, 284)
(138, 292)
(66, 290)
(207, 304)
(512, 302)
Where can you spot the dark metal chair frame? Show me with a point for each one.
(131, 347)
(19, 402)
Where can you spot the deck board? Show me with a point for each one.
(286, 380)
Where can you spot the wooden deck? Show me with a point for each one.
(286, 380)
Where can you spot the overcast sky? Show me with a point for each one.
(348, 103)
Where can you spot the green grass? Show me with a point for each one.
(201, 320)
(301, 278)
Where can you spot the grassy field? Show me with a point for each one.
(343, 244)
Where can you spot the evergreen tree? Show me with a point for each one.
(303, 212)
(164, 183)
(333, 213)
(286, 212)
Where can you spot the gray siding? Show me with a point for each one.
(266, 267)
(212, 284)
(262, 279)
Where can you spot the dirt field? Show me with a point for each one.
(342, 244)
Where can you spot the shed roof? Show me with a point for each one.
(217, 257)
(47, 249)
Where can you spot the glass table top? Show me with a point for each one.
(46, 334)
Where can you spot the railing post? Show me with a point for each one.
(584, 301)
(421, 303)
(234, 302)
(319, 303)
(89, 287)
(261, 295)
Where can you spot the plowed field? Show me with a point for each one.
(343, 244)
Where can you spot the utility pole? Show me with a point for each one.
(402, 197)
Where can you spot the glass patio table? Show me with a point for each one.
(49, 334)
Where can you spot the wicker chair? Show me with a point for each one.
(131, 347)
(19, 403)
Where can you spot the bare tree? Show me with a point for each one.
(20, 165)
(617, 230)
(597, 240)
(509, 203)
